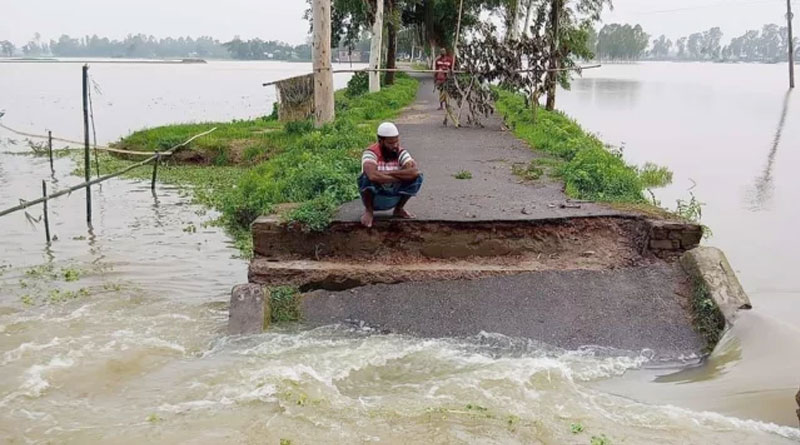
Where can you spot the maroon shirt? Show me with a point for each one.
(442, 65)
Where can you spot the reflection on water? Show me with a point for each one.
(761, 198)
(617, 93)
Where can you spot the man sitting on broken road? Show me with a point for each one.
(389, 176)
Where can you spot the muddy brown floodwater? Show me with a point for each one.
(116, 334)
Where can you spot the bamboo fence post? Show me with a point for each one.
(155, 171)
(46, 219)
(86, 164)
(50, 150)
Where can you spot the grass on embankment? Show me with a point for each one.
(589, 170)
(251, 166)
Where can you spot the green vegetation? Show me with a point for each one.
(463, 174)
(589, 169)
(528, 172)
(71, 274)
(692, 210)
(576, 428)
(600, 440)
(248, 167)
(708, 319)
(233, 143)
(284, 304)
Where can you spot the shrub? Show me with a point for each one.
(358, 84)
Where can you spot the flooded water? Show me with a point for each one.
(115, 334)
(731, 135)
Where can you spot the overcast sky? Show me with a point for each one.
(282, 19)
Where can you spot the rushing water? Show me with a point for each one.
(115, 334)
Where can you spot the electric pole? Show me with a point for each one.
(375, 49)
(789, 18)
(321, 53)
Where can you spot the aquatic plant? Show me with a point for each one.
(284, 304)
(463, 174)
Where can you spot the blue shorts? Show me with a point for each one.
(387, 196)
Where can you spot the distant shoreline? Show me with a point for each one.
(121, 61)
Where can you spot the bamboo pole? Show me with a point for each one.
(26, 204)
(50, 150)
(46, 219)
(458, 32)
(155, 172)
(789, 17)
(86, 165)
(382, 70)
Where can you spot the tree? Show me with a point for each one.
(569, 22)
(7, 48)
(681, 45)
(622, 42)
(695, 46)
(711, 43)
(661, 47)
(35, 47)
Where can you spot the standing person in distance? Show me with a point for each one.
(443, 64)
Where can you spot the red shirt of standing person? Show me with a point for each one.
(443, 64)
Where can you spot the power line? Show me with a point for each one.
(706, 6)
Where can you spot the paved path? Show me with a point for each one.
(493, 193)
(637, 307)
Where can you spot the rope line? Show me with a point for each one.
(69, 141)
(395, 70)
(25, 204)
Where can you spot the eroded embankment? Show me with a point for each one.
(606, 280)
(394, 251)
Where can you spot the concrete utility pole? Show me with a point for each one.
(552, 75)
(375, 48)
(527, 24)
(789, 17)
(323, 76)
(513, 21)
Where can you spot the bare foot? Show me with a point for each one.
(366, 219)
(403, 214)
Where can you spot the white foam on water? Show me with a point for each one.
(194, 405)
(25, 348)
(34, 383)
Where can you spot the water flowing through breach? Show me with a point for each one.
(133, 368)
(116, 334)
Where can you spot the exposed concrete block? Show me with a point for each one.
(709, 266)
(797, 399)
(664, 244)
(249, 311)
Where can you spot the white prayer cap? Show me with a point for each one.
(388, 130)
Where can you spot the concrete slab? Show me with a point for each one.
(633, 308)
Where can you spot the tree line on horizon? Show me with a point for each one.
(625, 42)
(141, 46)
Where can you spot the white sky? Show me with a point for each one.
(282, 19)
